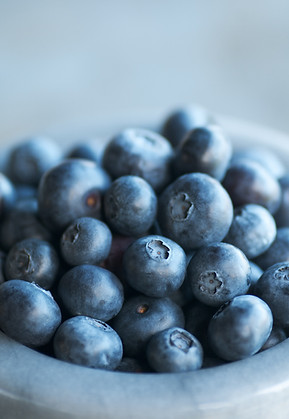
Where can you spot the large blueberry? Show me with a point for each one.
(174, 350)
(240, 328)
(253, 230)
(86, 240)
(195, 210)
(218, 273)
(70, 190)
(92, 291)
(155, 266)
(89, 342)
(204, 149)
(141, 317)
(282, 214)
(33, 260)
(130, 206)
(28, 313)
(139, 152)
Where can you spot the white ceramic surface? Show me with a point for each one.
(35, 386)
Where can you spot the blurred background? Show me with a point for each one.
(78, 63)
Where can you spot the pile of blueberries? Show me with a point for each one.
(163, 251)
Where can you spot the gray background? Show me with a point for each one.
(66, 62)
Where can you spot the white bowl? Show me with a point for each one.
(35, 386)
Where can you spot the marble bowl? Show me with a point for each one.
(35, 386)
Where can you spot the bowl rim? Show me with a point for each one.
(37, 386)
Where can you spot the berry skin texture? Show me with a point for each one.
(88, 290)
(182, 120)
(85, 241)
(253, 230)
(141, 317)
(70, 190)
(195, 210)
(218, 272)
(174, 350)
(31, 158)
(89, 342)
(205, 150)
(273, 287)
(141, 153)
(155, 266)
(28, 313)
(240, 327)
(248, 182)
(33, 260)
(130, 206)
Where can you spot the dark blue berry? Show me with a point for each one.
(218, 273)
(250, 183)
(174, 350)
(182, 120)
(89, 342)
(240, 328)
(141, 153)
(277, 252)
(28, 313)
(141, 317)
(71, 190)
(253, 230)
(88, 290)
(205, 150)
(195, 210)
(155, 266)
(85, 241)
(33, 260)
(31, 158)
(130, 206)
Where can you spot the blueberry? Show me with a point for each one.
(155, 266)
(33, 260)
(88, 290)
(240, 327)
(22, 222)
(205, 150)
(182, 120)
(141, 317)
(277, 252)
(139, 152)
(89, 342)
(273, 287)
(253, 230)
(28, 313)
(31, 158)
(87, 149)
(264, 156)
(195, 210)
(85, 241)
(71, 190)
(250, 183)
(218, 273)
(174, 350)
(130, 206)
